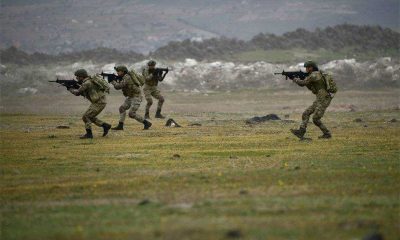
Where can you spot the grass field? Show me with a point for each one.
(223, 179)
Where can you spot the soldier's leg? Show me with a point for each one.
(122, 114)
(86, 120)
(157, 95)
(135, 104)
(123, 108)
(88, 124)
(322, 105)
(149, 100)
(94, 110)
(306, 115)
(305, 118)
(132, 113)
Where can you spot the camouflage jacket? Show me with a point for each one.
(149, 79)
(314, 82)
(90, 91)
(129, 87)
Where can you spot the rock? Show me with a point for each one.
(374, 236)
(234, 233)
(269, 117)
(365, 126)
(63, 127)
(195, 124)
(296, 168)
(171, 123)
(358, 120)
(393, 120)
(243, 192)
(144, 202)
(176, 156)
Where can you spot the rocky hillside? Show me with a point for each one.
(323, 45)
(144, 25)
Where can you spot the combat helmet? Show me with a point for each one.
(151, 63)
(310, 64)
(121, 68)
(81, 73)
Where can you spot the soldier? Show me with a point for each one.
(316, 84)
(131, 90)
(150, 90)
(96, 95)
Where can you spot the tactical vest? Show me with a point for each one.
(130, 89)
(92, 92)
(150, 82)
(317, 85)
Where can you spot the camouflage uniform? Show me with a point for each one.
(150, 90)
(98, 99)
(131, 90)
(315, 83)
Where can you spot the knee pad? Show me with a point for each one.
(149, 101)
(161, 99)
(85, 118)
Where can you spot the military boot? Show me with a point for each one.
(146, 124)
(325, 136)
(87, 135)
(147, 115)
(119, 127)
(158, 114)
(299, 132)
(106, 128)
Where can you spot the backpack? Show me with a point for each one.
(137, 78)
(101, 84)
(329, 82)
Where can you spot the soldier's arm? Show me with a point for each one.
(119, 85)
(80, 90)
(306, 80)
(147, 75)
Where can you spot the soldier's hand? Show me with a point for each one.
(74, 91)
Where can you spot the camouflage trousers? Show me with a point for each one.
(318, 108)
(149, 93)
(90, 116)
(132, 103)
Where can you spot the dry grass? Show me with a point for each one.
(223, 179)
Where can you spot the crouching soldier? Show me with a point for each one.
(316, 83)
(93, 90)
(151, 90)
(131, 89)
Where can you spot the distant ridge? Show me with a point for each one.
(341, 38)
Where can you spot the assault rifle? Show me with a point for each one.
(68, 83)
(292, 75)
(111, 77)
(160, 73)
